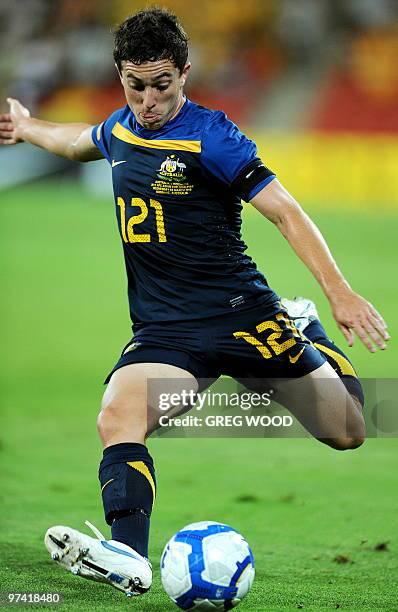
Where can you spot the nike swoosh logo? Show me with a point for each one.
(132, 347)
(116, 163)
(250, 173)
(296, 357)
(106, 544)
(107, 482)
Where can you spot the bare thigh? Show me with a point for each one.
(324, 407)
(131, 404)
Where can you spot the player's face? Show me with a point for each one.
(154, 91)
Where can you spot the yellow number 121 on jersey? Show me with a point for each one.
(127, 230)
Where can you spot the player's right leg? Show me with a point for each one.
(262, 349)
(127, 480)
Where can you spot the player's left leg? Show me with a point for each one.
(130, 407)
(127, 478)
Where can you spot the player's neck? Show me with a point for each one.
(180, 104)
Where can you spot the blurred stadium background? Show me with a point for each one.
(320, 74)
(315, 83)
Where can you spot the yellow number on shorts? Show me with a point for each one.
(274, 337)
(272, 340)
(254, 342)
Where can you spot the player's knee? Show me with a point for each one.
(354, 432)
(107, 420)
(347, 443)
(102, 425)
(117, 415)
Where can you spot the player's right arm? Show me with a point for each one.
(71, 140)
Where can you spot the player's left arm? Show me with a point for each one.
(351, 311)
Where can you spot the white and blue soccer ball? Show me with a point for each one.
(207, 566)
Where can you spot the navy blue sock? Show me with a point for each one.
(336, 358)
(132, 529)
(128, 487)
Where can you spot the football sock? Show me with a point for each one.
(132, 529)
(128, 487)
(335, 357)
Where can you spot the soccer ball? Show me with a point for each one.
(207, 566)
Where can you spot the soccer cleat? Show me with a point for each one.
(99, 559)
(301, 311)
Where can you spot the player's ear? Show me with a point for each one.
(184, 73)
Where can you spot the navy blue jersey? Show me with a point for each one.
(179, 216)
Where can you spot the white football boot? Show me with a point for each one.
(301, 311)
(99, 559)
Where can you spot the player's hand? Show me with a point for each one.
(355, 315)
(10, 123)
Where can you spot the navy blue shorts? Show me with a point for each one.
(258, 343)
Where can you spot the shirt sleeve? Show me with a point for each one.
(101, 133)
(226, 151)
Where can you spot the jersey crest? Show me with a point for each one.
(171, 177)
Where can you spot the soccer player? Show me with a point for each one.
(200, 307)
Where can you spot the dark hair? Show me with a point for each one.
(149, 36)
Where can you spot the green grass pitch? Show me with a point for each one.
(302, 506)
